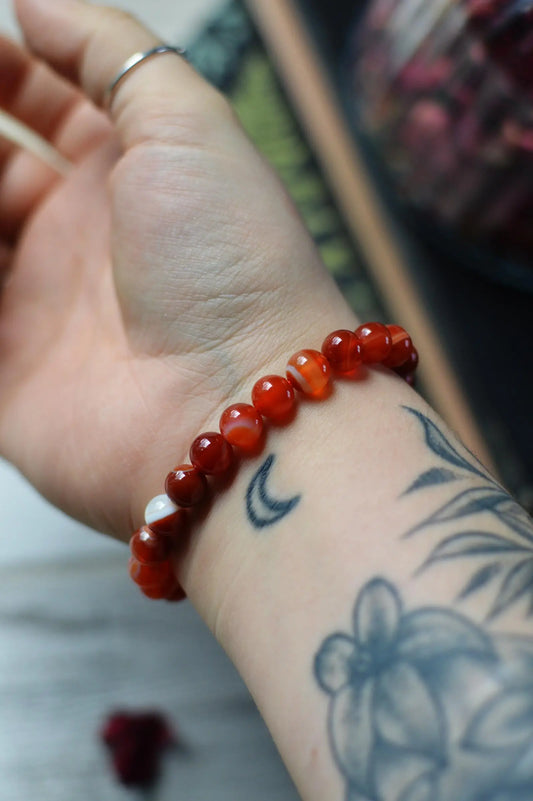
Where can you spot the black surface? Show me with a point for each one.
(485, 327)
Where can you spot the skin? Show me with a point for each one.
(133, 286)
(147, 290)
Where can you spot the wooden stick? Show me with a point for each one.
(18, 133)
(314, 101)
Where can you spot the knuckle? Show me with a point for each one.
(111, 15)
(197, 122)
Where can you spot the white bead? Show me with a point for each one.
(158, 508)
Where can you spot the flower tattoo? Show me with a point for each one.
(425, 706)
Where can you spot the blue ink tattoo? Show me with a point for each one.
(503, 561)
(424, 705)
(262, 509)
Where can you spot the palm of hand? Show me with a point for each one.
(64, 346)
(104, 332)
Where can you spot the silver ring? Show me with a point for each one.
(131, 63)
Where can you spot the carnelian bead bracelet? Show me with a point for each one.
(308, 373)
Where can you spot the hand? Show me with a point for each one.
(145, 289)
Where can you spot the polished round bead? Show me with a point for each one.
(376, 342)
(148, 547)
(401, 346)
(309, 372)
(342, 349)
(160, 592)
(409, 366)
(155, 575)
(177, 594)
(242, 426)
(210, 453)
(273, 397)
(164, 517)
(185, 485)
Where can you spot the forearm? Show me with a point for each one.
(273, 593)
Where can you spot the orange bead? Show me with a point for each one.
(309, 372)
(273, 397)
(148, 547)
(342, 349)
(376, 342)
(401, 347)
(242, 426)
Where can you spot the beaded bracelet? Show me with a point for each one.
(309, 372)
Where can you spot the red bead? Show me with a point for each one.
(177, 594)
(242, 425)
(309, 372)
(409, 366)
(174, 525)
(155, 575)
(343, 351)
(159, 592)
(148, 547)
(186, 485)
(273, 397)
(210, 453)
(376, 342)
(401, 347)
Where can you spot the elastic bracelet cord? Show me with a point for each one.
(157, 544)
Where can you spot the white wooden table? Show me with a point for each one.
(77, 641)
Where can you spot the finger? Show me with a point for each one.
(24, 180)
(5, 261)
(89, 44)
(50, 123)
(50, 106)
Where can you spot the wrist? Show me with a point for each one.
(265, 591)
(220, 376)
(311, 375)
(234, 561)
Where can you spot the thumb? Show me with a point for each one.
(89, 44)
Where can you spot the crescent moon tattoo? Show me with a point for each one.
(262, 509)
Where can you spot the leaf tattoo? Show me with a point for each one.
(441, 445)
(437, 475)
(473, 543)
(469, 502)
(508, 558)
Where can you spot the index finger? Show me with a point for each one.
(89, 45)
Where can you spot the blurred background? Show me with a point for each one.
(403, 129)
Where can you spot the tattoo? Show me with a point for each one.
(504, 561)
(424, 705)
(262, 508)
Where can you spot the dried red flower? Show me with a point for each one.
(136, 741)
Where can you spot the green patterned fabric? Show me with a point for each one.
(230, 55)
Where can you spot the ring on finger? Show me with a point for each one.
(132, 63)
